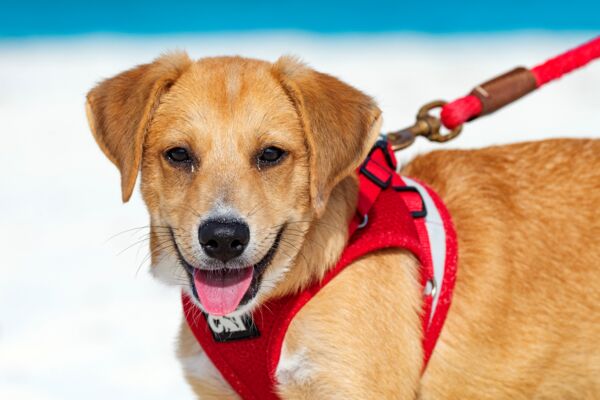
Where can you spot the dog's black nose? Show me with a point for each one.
(223, 240)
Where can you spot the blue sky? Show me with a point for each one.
(40, 18)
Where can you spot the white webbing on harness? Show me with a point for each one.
(437, 241)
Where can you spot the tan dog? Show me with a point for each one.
(266, 151)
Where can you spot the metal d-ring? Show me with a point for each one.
(364, 222)
(430, 288)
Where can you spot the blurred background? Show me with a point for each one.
(80, 316)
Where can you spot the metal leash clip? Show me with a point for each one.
(426, 125)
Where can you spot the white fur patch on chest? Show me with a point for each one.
(294, 368)
(199, 366)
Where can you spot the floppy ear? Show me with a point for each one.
(340, 122)
(119, 111)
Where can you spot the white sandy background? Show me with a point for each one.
(79, 318)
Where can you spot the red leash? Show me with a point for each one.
(492, 95)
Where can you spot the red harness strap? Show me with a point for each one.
(389, 214)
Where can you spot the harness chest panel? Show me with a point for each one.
(399, 213)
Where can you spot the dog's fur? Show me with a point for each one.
(525, 319)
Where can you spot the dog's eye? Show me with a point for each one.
(178, 155)
(270, 155)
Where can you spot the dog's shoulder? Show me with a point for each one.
(367, 313)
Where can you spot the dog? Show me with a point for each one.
(267, 153)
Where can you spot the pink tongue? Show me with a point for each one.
(221, 292)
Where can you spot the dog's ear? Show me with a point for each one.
(340, 122)
(119, 111)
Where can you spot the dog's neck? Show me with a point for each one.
(324, 242)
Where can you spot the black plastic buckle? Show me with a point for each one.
(422, 213)
(382, 184)
(382, 145)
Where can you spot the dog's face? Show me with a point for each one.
(225, 167)
(238, 160)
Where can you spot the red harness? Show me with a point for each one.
(392, 211)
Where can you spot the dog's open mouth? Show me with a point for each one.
(221, 291)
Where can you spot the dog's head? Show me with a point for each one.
(239, 159)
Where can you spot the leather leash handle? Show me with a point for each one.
(504, 89)
(491, 96)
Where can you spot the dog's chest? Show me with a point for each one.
(294, 369)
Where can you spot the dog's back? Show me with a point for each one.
(526, 311)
